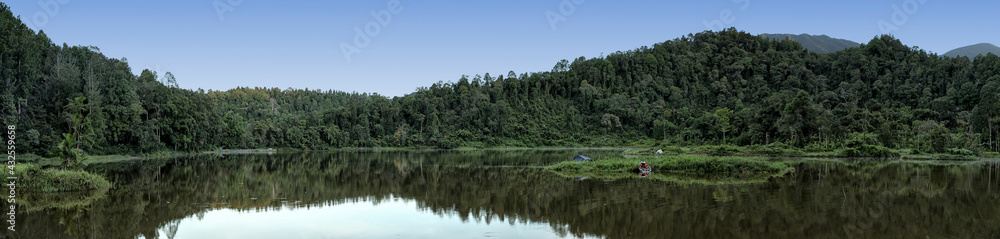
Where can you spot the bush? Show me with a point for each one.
(867, 150)
(444, 143)
(723, 150)
(815, 148)
(772, 150)
(35, 178)
(778, 144)
(673, 150)
(963, 152)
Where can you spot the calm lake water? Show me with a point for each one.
(506, 194)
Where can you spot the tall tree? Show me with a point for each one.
(722, 119)
(798, 117)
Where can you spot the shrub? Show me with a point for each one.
(779, 145)
(963, 152)
(673, 150)
(35, 178)
(815, 148)
(444, 143)
(954, 157)
(867, 150)
(723, 150)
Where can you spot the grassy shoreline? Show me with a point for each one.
(34, 178)
(780, 150)
(692, 164)
(765, 151)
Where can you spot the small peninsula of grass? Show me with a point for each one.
(34, 178)
(693, 164)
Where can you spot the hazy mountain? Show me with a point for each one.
(974, 50)
(818, 44)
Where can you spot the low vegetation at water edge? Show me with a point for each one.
(699, 164)
(34, 178)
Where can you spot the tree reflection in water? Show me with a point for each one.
(820, 199)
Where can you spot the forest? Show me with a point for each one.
(725, 87)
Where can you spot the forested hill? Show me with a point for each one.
(705, 88)
(818, 44)
(974, 50)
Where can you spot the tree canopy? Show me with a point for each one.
(770, 90)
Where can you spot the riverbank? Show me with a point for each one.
(692, 164)
(771, 150)
(781, 150)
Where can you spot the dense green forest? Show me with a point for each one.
(818, 44)
(727, 87)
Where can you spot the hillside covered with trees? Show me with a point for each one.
(818, 44)
(727, 87)
(974, 50)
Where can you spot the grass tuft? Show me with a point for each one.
(34, 178)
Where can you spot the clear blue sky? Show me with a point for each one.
(298, 44)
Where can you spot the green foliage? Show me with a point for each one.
(68, 150)
(705, 88)
(700, 164)
(815, 147)
(69, 156)
(34, 178)
(798, 118)
(722, 117)
(818, 44)
(772, 150)
(963, 152)
(723, 150)
(865, 150)
(668, 150)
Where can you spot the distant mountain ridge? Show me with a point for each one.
(974, 50)
(818, 44)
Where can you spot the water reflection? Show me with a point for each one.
(360, 218)
(820, 199)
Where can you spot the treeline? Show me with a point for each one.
(707, 88)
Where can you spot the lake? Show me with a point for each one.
(507, 194)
